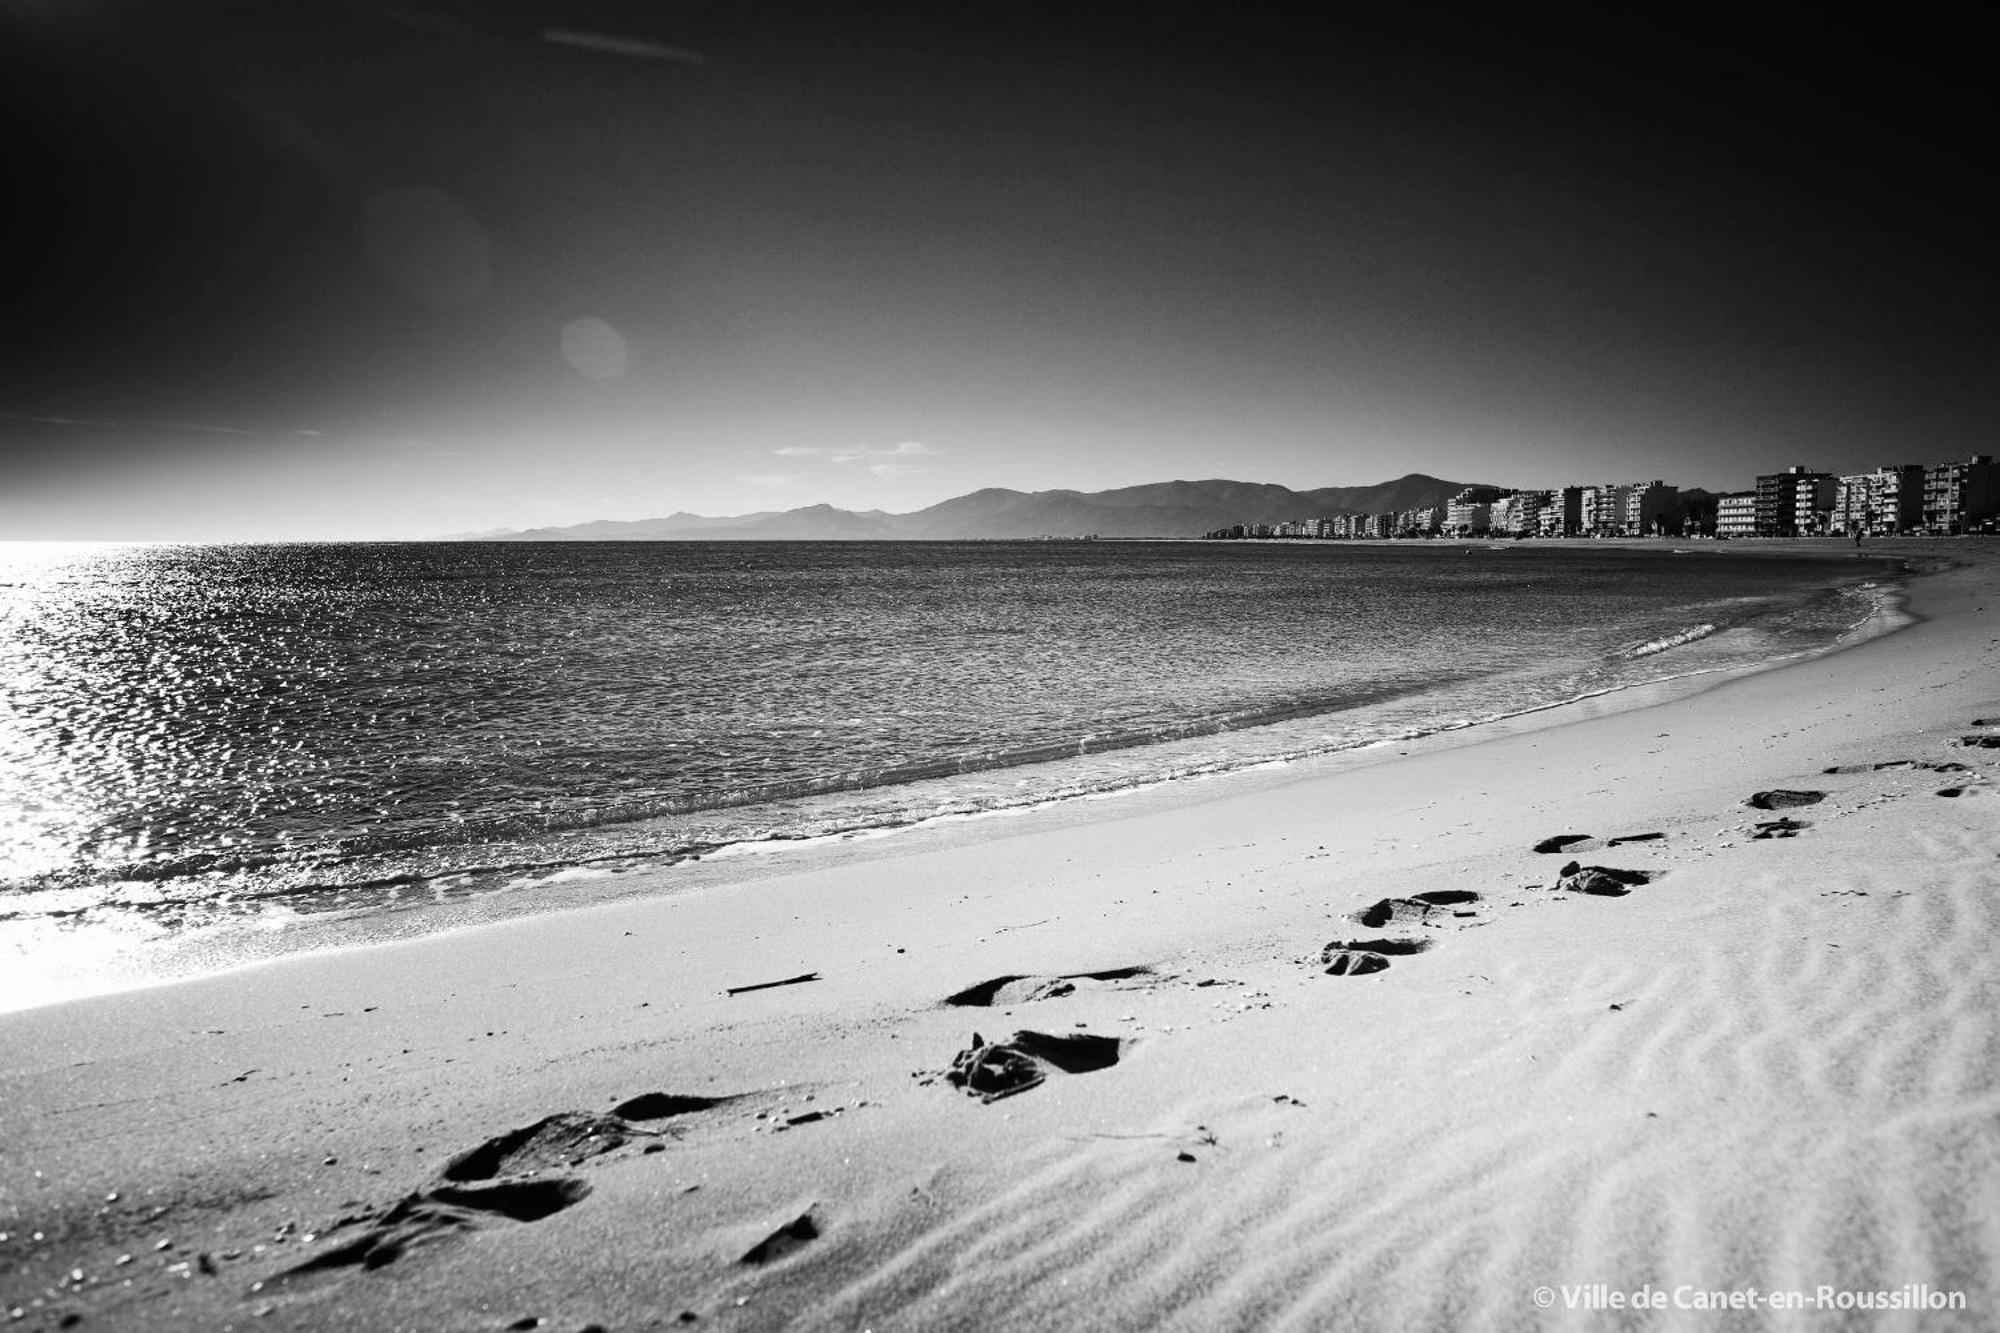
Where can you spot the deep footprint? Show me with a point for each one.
(992, 1070)
(660, 1105)
(559, 1140)
(1561, 842)
(1782, 799)
(1416, 908)
(1980, 742)
(1785, 827)
(445, 1211)
(1017, 988)
(1600, 881)
(795, 1235)
(1358, 958)
(1948, 766)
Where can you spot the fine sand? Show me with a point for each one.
(1327, 1046)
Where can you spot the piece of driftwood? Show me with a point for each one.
(766, 985)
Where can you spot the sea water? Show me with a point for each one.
(198, 736)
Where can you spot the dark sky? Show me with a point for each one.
(361, 269)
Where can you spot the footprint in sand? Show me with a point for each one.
(497, 1181)
(1990, 741)
(1600, 881)
(663, 1105)
(1947, 766)
(1016, 988)
(1782, 827)
(990, 1070)
(1583, 842)
(1782, 799)
(1416, 909)
(794, 1235)
(445, 1210)
(1358, 958)
(565, 1139)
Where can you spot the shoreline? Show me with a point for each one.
(1706, 1080)
(412, 904)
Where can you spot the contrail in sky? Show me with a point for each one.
(620, 46)
(204, 427)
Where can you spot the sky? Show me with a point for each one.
(393, 270)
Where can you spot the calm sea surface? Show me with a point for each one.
(195, 734)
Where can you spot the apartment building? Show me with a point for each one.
(1600, 511)
(1559, 512)
(1785, 498)
(1959, 495)
(1470, 512)
(1812, 504)
(1888, 500)
(1736, 514)
(1513, 514)
(1651, 508)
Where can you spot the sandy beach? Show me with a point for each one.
(1324, 1046)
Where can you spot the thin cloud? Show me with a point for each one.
(54, 421)
(213, 430)
(877, 458)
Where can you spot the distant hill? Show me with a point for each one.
(1160, 509)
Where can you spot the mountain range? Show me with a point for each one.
(1159, 509)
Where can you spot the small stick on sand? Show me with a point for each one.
(766, 985)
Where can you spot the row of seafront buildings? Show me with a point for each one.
(1943, 500)
(1627, 509)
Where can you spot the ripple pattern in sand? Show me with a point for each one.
(1797, 1089)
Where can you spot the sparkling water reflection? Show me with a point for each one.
(193, 730)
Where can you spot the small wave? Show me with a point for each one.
(1674, 640)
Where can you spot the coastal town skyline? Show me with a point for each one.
(386, 271)
(1953, 498)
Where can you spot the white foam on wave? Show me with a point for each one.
(1674, 640)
